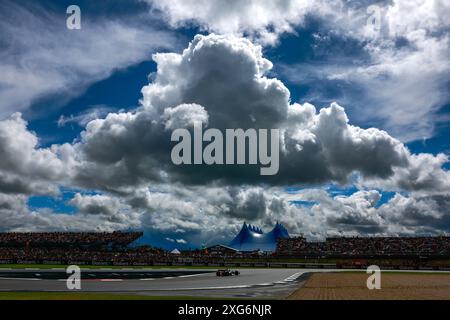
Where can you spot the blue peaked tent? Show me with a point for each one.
(251, 238)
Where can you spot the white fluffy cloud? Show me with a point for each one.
(16, 216)
(25, 167)
(179, 241)
(421, 214)
(400, 78)
(184, 116)
(350, 215)
(96, 204)
(263, 20)
(423, 174)
(361, 214)
(226, 75)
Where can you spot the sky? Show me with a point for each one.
(358, 89)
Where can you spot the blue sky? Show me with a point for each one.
(320, 60)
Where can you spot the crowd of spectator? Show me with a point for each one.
(75, 255)
(367, 246)
(78, 247)
(34, 255)
(68, 239)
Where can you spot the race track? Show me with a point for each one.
(251, 282)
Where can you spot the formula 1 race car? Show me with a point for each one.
(227, 273)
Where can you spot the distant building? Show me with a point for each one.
(221, 250)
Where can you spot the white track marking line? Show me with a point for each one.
(208, 288)
(185, 276)
(111, 280)
(293, 277)
(191, 275)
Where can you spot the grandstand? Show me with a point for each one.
(115, 239)
(115, 249)
(71, 247)
(365, 247)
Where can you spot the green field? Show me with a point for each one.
(88, 296)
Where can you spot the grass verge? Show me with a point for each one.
(88, 296)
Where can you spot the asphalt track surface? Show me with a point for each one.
(271, 283)
(251, 283)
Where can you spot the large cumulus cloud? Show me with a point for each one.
(224, 80)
